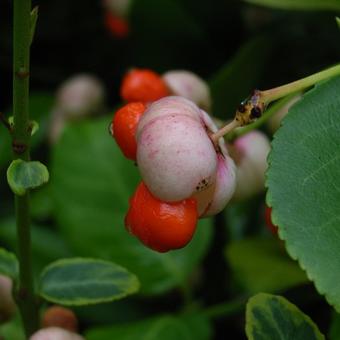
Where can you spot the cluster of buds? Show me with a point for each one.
(184, 163)
(78, 97)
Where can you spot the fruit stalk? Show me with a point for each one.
(251, 112)
(278, 92)
(224, 130)
(24, 294)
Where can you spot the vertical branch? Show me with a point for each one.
(21, 141)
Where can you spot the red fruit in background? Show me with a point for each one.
(161, 226)
(268, 219)
(57, 316)
(116, 25)
(143, 85)
(124, 126)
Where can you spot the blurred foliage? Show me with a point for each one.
(167, 327)
(236, 47)
(269, 270)
(273, 317)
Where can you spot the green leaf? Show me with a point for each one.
(91, 186)
(303, 186)
(80, 281)
(167, 327)
(270, 317)
(235, 80)
(8, 264)
(338, 21)
(33, 23)
(22, 176)
(331, 5)
(260, 264)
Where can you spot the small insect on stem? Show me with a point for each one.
(248, 111)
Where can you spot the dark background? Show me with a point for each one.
(201, 36)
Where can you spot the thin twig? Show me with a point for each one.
(224, 130)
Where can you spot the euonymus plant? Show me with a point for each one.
(193, 166)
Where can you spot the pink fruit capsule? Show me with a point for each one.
(177, 158)
(188, 85)
(251, 152)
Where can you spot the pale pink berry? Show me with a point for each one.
(188, 85)
(177, 158)
(250, 154)
(55, 333)
(172, 105)
(56, 126)
(80, 96)
(7, 304)
(275, 120)
(77, 98)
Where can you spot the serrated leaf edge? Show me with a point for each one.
(275, 219)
